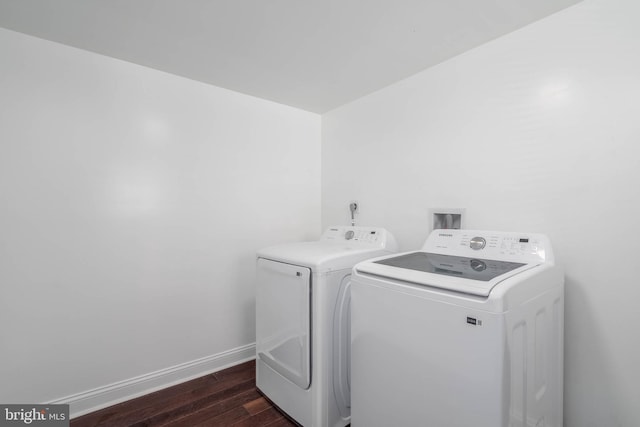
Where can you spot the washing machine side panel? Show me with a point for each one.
(283, 320)
(535, 343)
(418, 362)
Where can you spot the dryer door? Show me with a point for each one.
(283, 317)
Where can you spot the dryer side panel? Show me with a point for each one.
(283, 338)
(342, 348)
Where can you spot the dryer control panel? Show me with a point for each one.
(374, 236)
(498, 245)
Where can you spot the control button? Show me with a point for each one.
(478, 265)
(477, 243)
(349, 235)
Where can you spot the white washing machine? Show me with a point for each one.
(302, 322)
(467, 332)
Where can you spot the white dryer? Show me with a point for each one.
(302, 322)
(467, 332)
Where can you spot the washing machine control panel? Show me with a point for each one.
(519, 247)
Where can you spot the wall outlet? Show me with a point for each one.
(447, 218)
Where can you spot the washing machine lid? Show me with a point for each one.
(455, 266)
(473, 276)
(467, 261)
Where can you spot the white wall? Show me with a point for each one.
(132, 203)
(535, 131)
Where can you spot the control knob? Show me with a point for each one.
(477, 243)
(478, 265)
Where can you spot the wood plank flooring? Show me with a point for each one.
(224, 398)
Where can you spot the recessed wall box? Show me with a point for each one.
(446, 218)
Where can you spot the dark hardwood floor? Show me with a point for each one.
(224, 398)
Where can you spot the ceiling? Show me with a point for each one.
(312, 54)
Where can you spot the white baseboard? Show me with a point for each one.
(102, 397)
